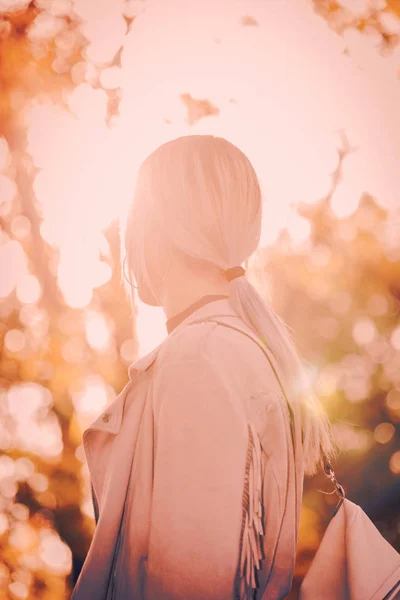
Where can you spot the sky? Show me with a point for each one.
(284, 85)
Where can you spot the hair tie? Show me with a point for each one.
(234, 272)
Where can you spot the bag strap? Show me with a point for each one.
(328, 469)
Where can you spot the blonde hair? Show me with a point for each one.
(201, 194)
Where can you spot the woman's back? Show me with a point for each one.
(202, 412)
(224, 469)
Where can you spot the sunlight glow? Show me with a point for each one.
(345, 200)
(364, 331)
(4, 524)
(93, 397)
(8, 189)
(14, 340)
(5, 156)
(54, 553)
(150, 328)
(29, 289)
(395, 338)
(352, 439)
(97, 330)
(89, 167)
(74, 351)
(20, 226)
(12, 255)
(38, 482)
(127, 350)
(23, 536)
(19, 589)
(36, 427)
(299, 229)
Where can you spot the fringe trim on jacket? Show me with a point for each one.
(251, 552)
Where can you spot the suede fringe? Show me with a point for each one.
(250, 555)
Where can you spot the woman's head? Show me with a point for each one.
(198, 201)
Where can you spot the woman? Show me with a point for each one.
(197, 467)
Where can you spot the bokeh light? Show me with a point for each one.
(384, 432)
(394, 463)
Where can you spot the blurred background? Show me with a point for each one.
(309, 90)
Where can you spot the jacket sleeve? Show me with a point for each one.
(201, 461)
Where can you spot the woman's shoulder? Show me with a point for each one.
(236, 357)
(186, 344)
(199, 340)
(242, 356)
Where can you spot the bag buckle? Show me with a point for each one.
(339, 490)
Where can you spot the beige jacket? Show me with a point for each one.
(202, 432)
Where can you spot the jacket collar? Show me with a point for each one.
(110, 419)
(214, 308)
